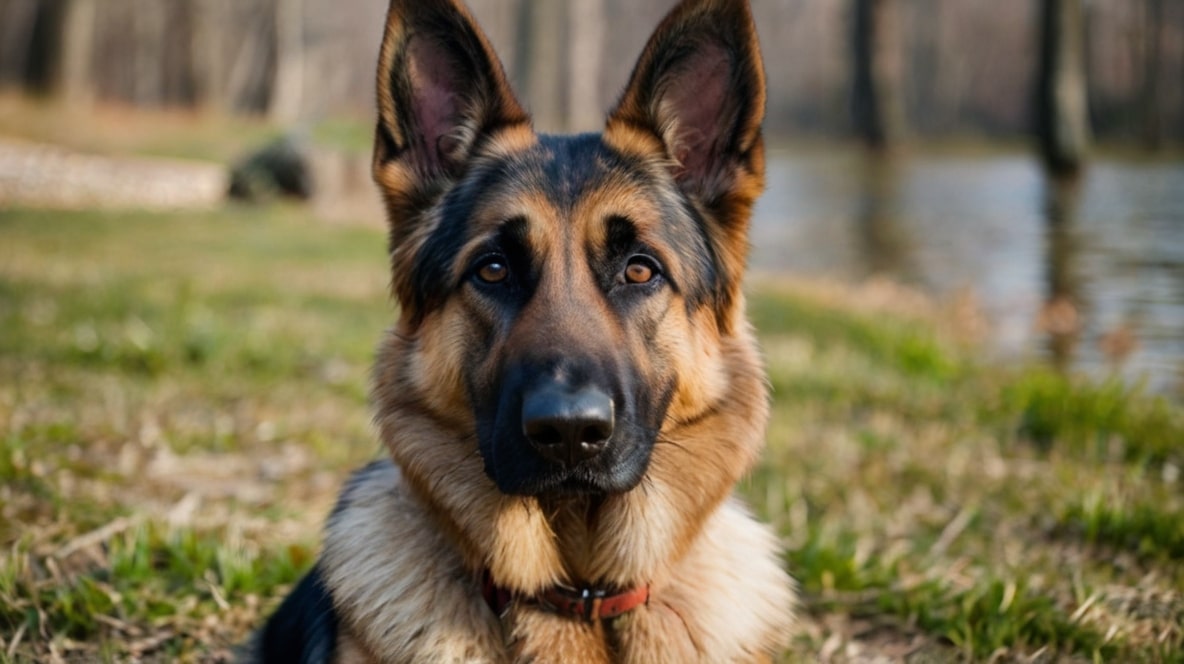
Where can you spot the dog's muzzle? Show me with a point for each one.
(567, 426)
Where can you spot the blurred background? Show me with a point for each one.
(968, 282)
(918, 140)
(960, 67)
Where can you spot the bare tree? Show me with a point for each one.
(540, 65)
(586, 25)
(1062, 108)
(929, 96)
(206, 53)
(968, 62)
(878, 70)
(287, 96)
(248, 85)
(1150, 96)
(74, 76)
(17, 18)
(148, 25)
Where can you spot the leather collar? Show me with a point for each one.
(587, 604)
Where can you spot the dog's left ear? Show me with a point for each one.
(699, 87)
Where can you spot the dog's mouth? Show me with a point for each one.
(517, 470)
(571, 486)
(587, 481)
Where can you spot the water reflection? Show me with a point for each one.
(1060, 319)
(1089, 273)
(883, 244)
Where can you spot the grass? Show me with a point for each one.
(973, 513)
(182, 394)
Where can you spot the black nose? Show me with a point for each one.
(567, 427)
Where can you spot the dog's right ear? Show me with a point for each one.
(441, 88)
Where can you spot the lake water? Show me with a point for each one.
(1089, 274)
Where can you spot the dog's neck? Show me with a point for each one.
(575, 520)
(576, 523)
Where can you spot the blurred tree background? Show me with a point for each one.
(940, 68)
(977, 362)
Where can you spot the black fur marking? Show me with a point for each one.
(564, 168)
(433, 266)
(304, 629)
(571, 166)
(621, 243)
(682, 228)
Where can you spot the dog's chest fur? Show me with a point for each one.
(404, 594)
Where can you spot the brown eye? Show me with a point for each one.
(638, 271)
(493, 271)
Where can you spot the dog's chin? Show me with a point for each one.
(578, 484)
(563, 483)
(528, 475)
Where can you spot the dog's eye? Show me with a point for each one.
(640, 270)
(493, 270)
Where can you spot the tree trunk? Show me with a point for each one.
(287, 98)
(1150, 98)
(73, 80)
(586, 23)
(207, 53)
(878, 70)
(17, 21)
(1061, 315)
(45, 43)
(929, 105)
(1063, 114)
(148, 28)
(249, 70)
(540, 68)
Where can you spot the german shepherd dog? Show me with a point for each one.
(571, 389)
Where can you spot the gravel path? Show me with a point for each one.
(40, 175)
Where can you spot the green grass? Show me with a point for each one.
(182, 394)
(995, 512)
(181, 397)
(1097, 421)
(1149, 528)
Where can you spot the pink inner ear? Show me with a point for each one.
(696, 99)
(435, 91)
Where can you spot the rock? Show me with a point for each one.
(281, 168)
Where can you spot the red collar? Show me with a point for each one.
(587, 604)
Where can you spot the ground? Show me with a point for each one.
(181, 395)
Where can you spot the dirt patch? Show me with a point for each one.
(41, 175)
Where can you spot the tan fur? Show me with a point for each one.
(725, 600)
(407, 547)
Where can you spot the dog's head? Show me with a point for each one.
(563, 298)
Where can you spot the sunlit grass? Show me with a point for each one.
(182, 395)
(1099, 422)
(1153, 529)
(919, 493)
